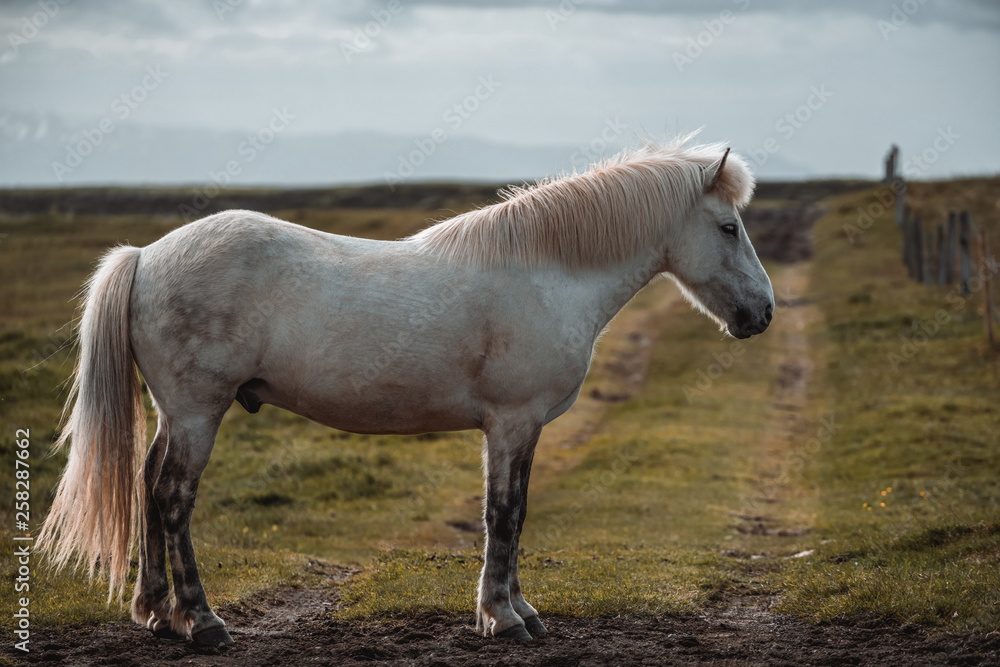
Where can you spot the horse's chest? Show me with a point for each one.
(523, 370)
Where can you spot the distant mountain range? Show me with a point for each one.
(44, 150)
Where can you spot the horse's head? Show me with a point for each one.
(711, 258)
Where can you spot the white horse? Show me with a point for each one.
(485, 321)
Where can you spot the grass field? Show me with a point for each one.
(690, 473)
(910, 494)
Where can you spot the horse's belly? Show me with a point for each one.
(390, 417)
(375, 408)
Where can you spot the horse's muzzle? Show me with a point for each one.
(746, 323)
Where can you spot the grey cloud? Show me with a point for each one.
(147, 17)
(983, 14)
(157, 18)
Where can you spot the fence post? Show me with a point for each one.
(918, 249)
(965, 262)
(891, 161)
(930, 263)
(949, 276)
(899, 189)
(987, 272)
(942, 261)
(907, 260)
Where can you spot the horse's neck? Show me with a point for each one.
(610, 289)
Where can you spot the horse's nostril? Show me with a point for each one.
(768, 312)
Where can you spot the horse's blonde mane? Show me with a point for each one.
(606, 214)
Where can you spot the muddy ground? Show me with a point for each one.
(297, 628)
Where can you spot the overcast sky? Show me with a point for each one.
(828, 85)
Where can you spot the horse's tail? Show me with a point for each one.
(95, 511)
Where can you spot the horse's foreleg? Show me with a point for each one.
(507, 455)
(188, 450)
(151, 601)
(532, 623)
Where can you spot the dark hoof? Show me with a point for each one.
(167, 632)
(534, 626)
(515, 632)
(215, 637)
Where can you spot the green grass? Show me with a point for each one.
(943, 576)
(596, 582)
(642, 517)
(908, 495)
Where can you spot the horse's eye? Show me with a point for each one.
(729, 229)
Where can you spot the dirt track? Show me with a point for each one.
(296, 629)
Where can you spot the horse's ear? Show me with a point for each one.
(716, 171)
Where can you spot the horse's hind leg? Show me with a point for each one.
(508, 458)
(151, 602)
(189, 447)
